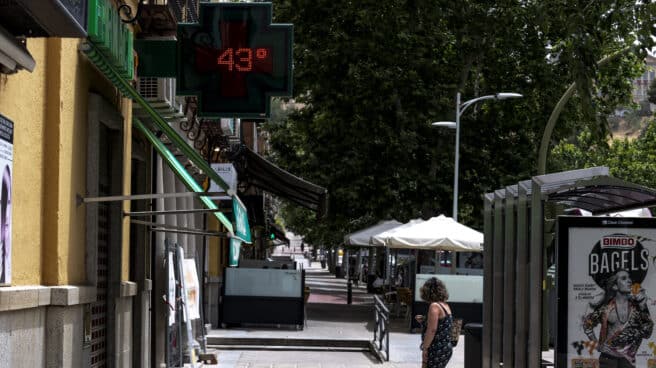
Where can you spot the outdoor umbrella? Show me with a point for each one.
(361, 237)
(437, 233)
(378, 240)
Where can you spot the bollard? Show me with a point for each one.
(349, 292)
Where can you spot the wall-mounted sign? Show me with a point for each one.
(51, 18)
(235, 246)
(77, 9)
(106, 30)
(242, 229)
(606, 281)
(6, 167)
(234, 60)
(228, 173)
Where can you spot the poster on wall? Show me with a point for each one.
(606, 284)
(192, 288)
(6, 160)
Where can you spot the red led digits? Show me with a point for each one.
(261, 53)
(226, 59)
(241, 59)
(245, 56)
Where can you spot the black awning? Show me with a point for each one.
(257, 171)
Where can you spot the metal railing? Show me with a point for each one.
(381, 329)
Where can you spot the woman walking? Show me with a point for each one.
(436, 346)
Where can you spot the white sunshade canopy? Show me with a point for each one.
(361, 237)
(437, 233)
(378, 240)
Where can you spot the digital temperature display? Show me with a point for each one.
(235, 59)
(241, 59)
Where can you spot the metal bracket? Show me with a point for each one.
(174, 212)
(178, 229)
(133, 197)
(127, 10)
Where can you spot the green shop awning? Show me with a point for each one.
(241, 230)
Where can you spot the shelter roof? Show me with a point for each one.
(591, 189)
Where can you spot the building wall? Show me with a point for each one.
(49, 111)
(641, 84)
(18, 104)
(42, 311)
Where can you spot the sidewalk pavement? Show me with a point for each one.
(329, 317)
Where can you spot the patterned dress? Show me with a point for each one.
(440, 349)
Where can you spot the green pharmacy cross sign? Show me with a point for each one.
(234, 59)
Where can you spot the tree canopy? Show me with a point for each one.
(630, 160)
(370, 76)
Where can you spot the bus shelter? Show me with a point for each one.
(519, 251)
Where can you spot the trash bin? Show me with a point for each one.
(323, 263)
(370, 283)
(338, 272)
(473, 339)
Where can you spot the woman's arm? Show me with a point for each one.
(433, 317)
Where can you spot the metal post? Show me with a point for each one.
(454, 257)
(349, 292)
(456, 163)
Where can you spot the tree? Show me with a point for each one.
(630, 160)
(371, 75)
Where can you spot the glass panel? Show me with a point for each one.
(461, 288)
(263, 282)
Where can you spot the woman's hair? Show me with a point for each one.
(434, 290)
(609, 291)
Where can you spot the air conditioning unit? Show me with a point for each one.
(234, 137)
(160, 94)
(228, 126)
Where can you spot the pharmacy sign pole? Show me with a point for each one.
(234, 59)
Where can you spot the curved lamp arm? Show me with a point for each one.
(498, 96)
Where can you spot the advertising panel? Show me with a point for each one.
(606, 282)
(170, 296)
(192, 288)
(6, 165)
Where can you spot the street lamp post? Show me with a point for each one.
(460, 109)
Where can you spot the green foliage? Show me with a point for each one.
(371, 75)
(630, 160)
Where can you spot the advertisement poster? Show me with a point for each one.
(192, 288)
(6, 160)
(606, 281)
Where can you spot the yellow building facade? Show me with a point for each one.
(50, 293)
